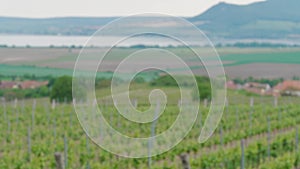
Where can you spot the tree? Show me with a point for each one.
(62, 89)
(204, 88)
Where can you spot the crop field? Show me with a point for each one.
(238, 62)
(281, 57)
(260, 136)
(255, 131)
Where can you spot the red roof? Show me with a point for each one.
(231, 85)
(288, 84)
(7, 84)
(32, 84)
(22, 85)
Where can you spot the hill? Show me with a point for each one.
(271, 19)
(52, 26)
(267, 19)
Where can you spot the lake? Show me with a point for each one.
(48, 40)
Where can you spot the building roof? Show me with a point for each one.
(288, 85)
(32, 84)
(256, 85)
(231, 85)
(7, 84)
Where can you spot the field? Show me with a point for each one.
(238, 62)
(261, 135)
(33, 130)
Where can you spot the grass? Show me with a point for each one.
(20, 70)
(274, 57)
(141, 93)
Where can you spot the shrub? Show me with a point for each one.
(62, 89)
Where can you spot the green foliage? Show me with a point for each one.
(11, 94)
(103, 83)
(271, 82)
(139, 79)
(204, 87)
(166, 80)
(23, 77)
(280, 57)
(62, 89)
(51, 125)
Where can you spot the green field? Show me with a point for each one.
(30, 135)
(21, 70)
(272, 57)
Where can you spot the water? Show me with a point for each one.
(42, 41)
(48, 40)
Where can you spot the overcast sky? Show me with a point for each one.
(57, 8)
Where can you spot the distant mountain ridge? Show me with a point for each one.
(267, 19)
(52, 26)
(277, 19)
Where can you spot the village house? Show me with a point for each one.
(8, 85)
(258, 88)
(233, 86)
(252, 87)
(288, 87)
(30, 84)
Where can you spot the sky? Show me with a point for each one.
(62, 8)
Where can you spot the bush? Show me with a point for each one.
(204, 88)
(166, 80)
(203, 85)
(11, 94)
(62, 89)
(103, 83)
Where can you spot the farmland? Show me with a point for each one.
(258, 136)
(33, 130)
(238, 62)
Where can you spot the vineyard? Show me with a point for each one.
(255, 132)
